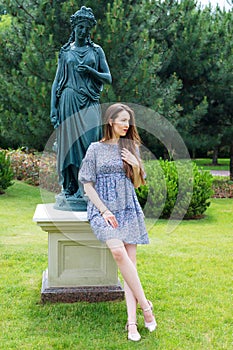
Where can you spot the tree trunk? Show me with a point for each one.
(193, 153)
(166, 154)
(231, 161)
(215, 156)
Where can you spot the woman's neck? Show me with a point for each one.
(112, 141)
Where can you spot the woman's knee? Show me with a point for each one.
(118, 254)
(117, 249)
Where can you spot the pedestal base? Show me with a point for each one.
(70, 203)
(76, 294)
(80, 268)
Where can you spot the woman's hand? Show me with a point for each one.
(110, 219)
(129, 158)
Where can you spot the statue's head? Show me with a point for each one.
(85, 14)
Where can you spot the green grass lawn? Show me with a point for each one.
(206, 164)
(187, 274)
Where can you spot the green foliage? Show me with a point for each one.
(142, 194)
(206, 164)
(29, 60)
(25, 166)
(163, 178)
(134, 49)
(28, 64)
(5, 22)
(6, 172)
(202, 192)
(205, 72)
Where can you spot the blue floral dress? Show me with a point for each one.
(103, 166)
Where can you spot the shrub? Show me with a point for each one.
(163, 178)
(48, 172)
(142, 194)
(223, 187)
(152, 199)
(35, 169)
(202, 192)
(6, 172)
(25, 166)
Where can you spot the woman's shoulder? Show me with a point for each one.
(95, 145)
(99, 145)
(94, 149)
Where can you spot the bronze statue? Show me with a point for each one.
(75, 110)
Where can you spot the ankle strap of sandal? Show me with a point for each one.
(150, 306)
(147, 309)
(131, 324)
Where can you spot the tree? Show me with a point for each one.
(130, 34)
(28, 66)
(134, 46)
(206, 74)
(221, 82)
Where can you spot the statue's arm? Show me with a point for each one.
(103, 74)
(53, 103)
(104, 71)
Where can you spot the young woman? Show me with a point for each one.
(110, 171)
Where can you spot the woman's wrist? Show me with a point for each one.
(103, 210)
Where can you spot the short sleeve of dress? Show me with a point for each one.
(87, 172)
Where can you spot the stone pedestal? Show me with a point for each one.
(80, 268)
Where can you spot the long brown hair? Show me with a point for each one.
(130, 141)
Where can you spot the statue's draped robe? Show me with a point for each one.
(78, 106)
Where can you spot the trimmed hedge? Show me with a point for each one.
(6, 172)
(163, 189)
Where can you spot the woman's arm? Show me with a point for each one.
(95, 199)
(136, 175)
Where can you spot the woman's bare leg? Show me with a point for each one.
(130, 275)
(131, 301)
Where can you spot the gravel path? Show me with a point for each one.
(220, 172)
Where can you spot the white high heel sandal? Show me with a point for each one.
(151, 326)
(132, 336)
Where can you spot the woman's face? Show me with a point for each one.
(82, 30)
(120, 124)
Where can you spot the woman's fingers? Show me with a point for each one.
(110, 219)
(128, 157)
